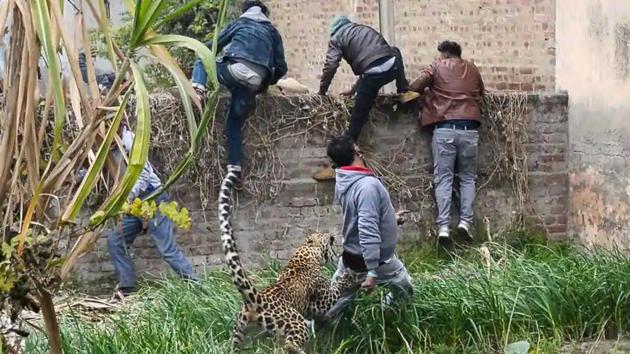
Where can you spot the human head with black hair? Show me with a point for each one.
(450, 49)
(343, 151)
(247, 4)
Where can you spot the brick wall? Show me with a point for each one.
(512, 41)
(274, 228)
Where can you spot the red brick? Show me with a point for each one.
(526, 71)
(556, 179)
(557, 228)
(552, 158)
(501, 86)
(560, 209)
(561, 219)
(539, 87)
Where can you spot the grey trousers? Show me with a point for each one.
(392, 274)
(455, 148)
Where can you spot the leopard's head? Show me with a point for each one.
(322, 245)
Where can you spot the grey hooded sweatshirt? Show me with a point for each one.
(369, 219)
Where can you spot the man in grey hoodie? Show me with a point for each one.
(370, 227)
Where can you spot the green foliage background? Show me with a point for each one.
(197, 23)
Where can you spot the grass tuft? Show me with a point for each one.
(468, 303)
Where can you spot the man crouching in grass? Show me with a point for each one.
(370, 227)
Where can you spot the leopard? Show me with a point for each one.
(301, 289)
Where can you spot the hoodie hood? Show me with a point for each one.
(337, 23)
(255, 13)
(348, 176)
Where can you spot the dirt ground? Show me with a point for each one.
(600, 347)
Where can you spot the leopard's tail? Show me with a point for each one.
(232, 259)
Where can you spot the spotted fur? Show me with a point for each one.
(300, 290)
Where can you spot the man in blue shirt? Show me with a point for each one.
(120, 239)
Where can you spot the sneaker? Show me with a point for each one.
(464, 229)
(443, 232)
(121, 294)
(325, 174)
(193, 280)
(388, 300)
(310, 324)
(408, 96)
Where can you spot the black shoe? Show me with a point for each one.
(121, 293)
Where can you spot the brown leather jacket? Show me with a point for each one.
(454, 89)
(359, 45)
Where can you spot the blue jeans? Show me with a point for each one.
(243, 102)
(121, 238)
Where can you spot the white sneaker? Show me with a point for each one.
(443, 232)
(310, 324)
(464, 228)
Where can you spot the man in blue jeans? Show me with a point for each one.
(253, 60)
(160, 228)
(453, 90)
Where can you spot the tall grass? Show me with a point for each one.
(467, 304)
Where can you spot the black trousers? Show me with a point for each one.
(367, 91)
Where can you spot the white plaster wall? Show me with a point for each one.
(593, 65)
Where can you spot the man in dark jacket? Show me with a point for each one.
(253, 60)
(372, 59)
(452, 89)
(370, 231)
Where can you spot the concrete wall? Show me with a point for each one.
(275, 227)
(593, 65)
(512, 41)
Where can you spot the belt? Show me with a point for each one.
(357, 263)
(458, 125)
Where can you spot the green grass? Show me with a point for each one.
(545, 296)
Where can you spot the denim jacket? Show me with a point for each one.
(254, 39)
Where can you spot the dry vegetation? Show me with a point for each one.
(44, 143)
(303, 119)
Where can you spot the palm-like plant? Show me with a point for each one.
(39, 198)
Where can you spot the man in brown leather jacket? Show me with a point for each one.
(452, 89)
(372, 59)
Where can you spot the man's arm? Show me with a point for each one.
(199, 76)
(279, 62)
(333, 58)
(225, 37)
(142, 184)
(424, 80)
(369, 231)
(482, 87)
